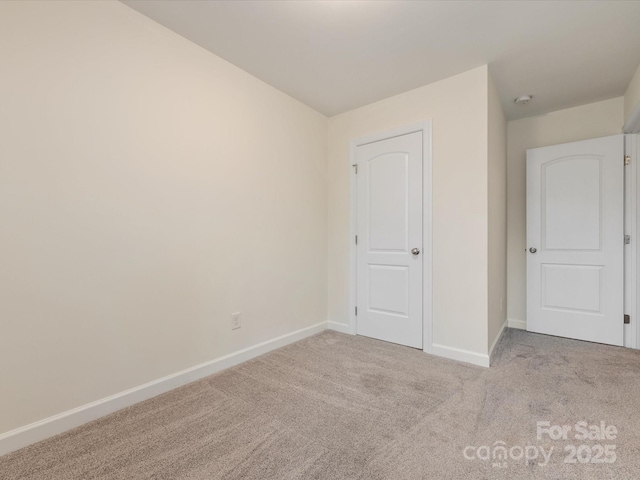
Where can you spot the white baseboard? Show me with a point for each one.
(521, 324)
(460, 355)
(497, 339)
(338, 327)
(48, 427)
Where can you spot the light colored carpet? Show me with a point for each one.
(336, 407)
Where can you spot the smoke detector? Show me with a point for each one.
(523, 99)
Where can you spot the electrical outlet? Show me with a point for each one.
(235, 321)
(501, 304)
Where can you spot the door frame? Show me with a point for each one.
(427, 239)
(631, 254)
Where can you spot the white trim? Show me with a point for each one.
(461, 355)
(353, 229)
(427, 242)
(40, 430)
(427, 229)
(519, 324)
(630, 250)
(497, 339)
(338, 327)
(632, 125)
(635, 158)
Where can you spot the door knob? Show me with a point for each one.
(533, 250)
(415, 251)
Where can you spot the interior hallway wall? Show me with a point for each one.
(632, 95)
(497, 211)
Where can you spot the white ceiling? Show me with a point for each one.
(338, 55)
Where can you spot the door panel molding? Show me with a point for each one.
(389, 220)
(427, 242)
(575, 235)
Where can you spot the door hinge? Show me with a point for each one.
(355, 165)
(627, 159)
(356, 239)
(627, 239)
(627, 319)
(356, 311)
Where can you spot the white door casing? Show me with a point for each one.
(389, 230)
(575, 240)
(630, 248)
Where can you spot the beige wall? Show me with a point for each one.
(148, 190)
(580, 123)
(497, 178)
(632, 95)
(458, 108)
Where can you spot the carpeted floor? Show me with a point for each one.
(336, 407)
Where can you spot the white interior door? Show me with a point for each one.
(575, 240)
(389, 232)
